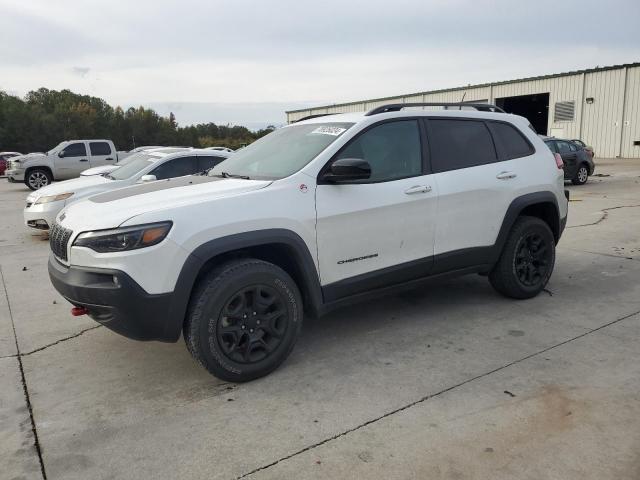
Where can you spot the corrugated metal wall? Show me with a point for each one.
(611, 124)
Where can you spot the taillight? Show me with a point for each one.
(559, 162)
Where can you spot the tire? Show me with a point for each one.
(581, 176)
(526, 261)
(252, 339)
(38, 178)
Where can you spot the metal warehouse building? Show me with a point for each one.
(600, 106)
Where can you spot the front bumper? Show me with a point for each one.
(15, 175)
(42, 216)
(116, 301)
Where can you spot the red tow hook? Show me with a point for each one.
(77, 311)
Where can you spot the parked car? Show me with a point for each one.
(62, 162)
(313, 215)
(221, 149)
(147, 166)
(588, 148)
(4, 156)
(110, 168)
(578, 164)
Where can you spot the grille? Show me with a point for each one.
(58, 239)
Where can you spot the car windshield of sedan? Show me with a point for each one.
(282, 152)
(134, 166)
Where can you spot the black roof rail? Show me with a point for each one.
(395, 107)
(309, 117)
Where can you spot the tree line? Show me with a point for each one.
(46, 117)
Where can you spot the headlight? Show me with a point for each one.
(53, 198)
(121, 239)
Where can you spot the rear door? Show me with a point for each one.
(475, 187)
(378, 231)
(74, 160)
(101, 154)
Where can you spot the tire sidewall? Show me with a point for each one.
(543, 229)
(577, 179)
(210, 350)
(37, 170)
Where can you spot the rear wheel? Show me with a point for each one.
(37, 178)
(244, 319)
(581, 176)
(527, 260)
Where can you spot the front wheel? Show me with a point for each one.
(581, 176)
(244, 319)
(527, 260)
(37, 178)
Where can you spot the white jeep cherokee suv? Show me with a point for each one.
(311, 216)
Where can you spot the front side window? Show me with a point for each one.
(392, 149)
(100, 148)
(459, 144)
(282, 152)
(75, 150)
(206, 162)
(178, 167)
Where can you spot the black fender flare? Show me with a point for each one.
(195, 262)
(515, 209)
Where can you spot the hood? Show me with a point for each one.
(111, 209)
(79, 186)
(26, 157)
(99, 170)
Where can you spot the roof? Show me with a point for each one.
(479, 85)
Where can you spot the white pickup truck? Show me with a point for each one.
(62, 162)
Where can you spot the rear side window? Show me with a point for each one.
(552, 146)
(75, 150)
(509, 141)
(563, 147)
(208, 161)
(459, 144)
(100, 148)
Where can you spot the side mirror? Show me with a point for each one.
(347, 170)
(147, 178)
(61, 154)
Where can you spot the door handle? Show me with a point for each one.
(84, 160)
(108, 158)
(418, 189)
(506, 175)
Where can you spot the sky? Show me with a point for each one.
(246, 62)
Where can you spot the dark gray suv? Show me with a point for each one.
(578, 164)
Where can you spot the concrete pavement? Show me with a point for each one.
(447, 381)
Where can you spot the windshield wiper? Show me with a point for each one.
(231, 175)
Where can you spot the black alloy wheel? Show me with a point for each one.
(252, 324)
(532, 259)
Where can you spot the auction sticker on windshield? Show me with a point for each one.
(335, 131)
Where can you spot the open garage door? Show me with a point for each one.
(533, 107)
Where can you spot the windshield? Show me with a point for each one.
(56, 148)
(135, 163)
(282, 152)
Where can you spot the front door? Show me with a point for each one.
(71, 161)
(377, 231)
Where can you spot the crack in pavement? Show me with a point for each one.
(75, 335)
(24, 381)
(605, 215)
(612, 255)
(427, 397)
